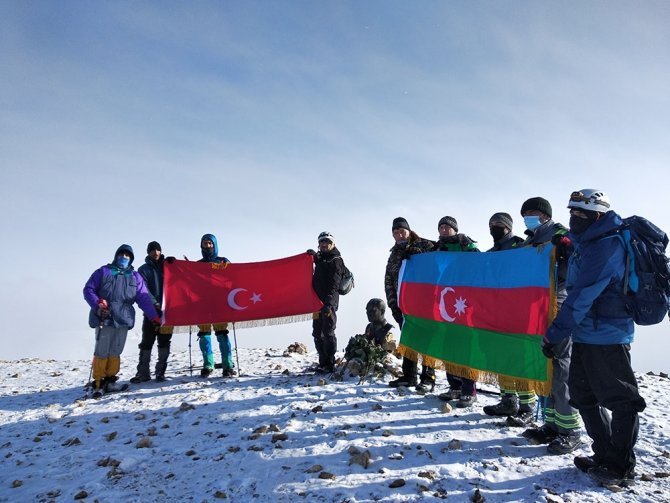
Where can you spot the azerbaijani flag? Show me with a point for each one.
(260, 292)
(480, 315)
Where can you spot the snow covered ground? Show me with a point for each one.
(275, 434)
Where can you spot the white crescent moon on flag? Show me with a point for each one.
(231, 299)
(443, 309)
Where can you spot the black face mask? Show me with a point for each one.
(579, 225)
(497, 233)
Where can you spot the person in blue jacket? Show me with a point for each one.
(594, 314)
(210, 253)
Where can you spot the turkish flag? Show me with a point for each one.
(198, 293)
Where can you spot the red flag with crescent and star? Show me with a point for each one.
(203, 292)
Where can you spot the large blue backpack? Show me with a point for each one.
(647, 280)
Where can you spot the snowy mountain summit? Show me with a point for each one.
(275, 433)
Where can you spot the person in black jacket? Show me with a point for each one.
(152, 272)
(326, 281)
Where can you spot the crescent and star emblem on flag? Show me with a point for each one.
(460, 305)
(255, 298)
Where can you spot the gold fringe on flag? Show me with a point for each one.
(541, 388)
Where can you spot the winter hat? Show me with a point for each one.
(126, 249)
(154, 245)
(450, 221)
(503, 218)
(537, 203)
(326, 236)
(400, 223)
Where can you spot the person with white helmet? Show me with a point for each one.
(595, 316)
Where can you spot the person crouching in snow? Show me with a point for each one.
(111, 292)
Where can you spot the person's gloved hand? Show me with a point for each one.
(562, 244)
(170, 259)
(397, 316)
(327, 311)
(311, 252)
(103, 309)
(158, 309)
(548, 348)
(156, 321)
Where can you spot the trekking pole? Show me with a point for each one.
(190, 361)
(237, 355)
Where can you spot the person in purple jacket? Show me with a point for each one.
(111, 292)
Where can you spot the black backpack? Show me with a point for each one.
(647, 279)
(347, 281)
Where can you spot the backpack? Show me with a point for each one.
(347, 281)
(647, 278)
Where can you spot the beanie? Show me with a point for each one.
(326, 236)
(154, 245)
(503, 218)
(450, 221)
(400, 223)
(537, 203)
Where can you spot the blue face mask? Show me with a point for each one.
(122, 262)
(532, 222)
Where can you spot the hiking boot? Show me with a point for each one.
(229, 372)
(564, 444)
(113, 386)
(508, 406)
(466, 401)
(522, 418)
(141, 378)
(610, 477)
(159, 378)
(325, 369)
(403, 381)
(205, 371)
(585, 463)
(542, 435)
(425, 387)
(450, 394)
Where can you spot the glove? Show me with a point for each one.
(548, 348)
(327, 311)
(311, 252)
(158, 309)
(103, 309)
(562, 244)
(156, 321)
(170, 260)
(397, 316)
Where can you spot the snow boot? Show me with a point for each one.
(143, 373)
(466, 401)
(111, 386)
(611, 477)
(564, 444)
(585, 463)
(161, 363)
(524, 416)
(508, 406)
(450, 394)
(403, 381)
(542, 435)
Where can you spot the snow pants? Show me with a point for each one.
(205, 343)
(109, 344)
(602, 380)
(323, 332)
(560, 415)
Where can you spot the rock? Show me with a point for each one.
(430, 475)
(360, 458)
(387, 433)
(397, 483)
(297, 348)
(663, 375)
(646, 478)
(314, 469)
(104, 420)
(326, 476)
(286, 372)
(234, 448)
(321, 382)
(377, 406)
(662, 475)
(110, 436)
(151, 432)
(17, 483)
(455, 445)
(273, 427)
(220, 495)
(144, 443)
(81, 495)
(446, 408)
(477, 497)
(71, 442)
(261, 429)
(186, 406)
(190, 452)
(278, 437)
(318, 408)
(108, 461)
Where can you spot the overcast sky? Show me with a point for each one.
(266, 123)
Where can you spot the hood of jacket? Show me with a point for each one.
(606, 224)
